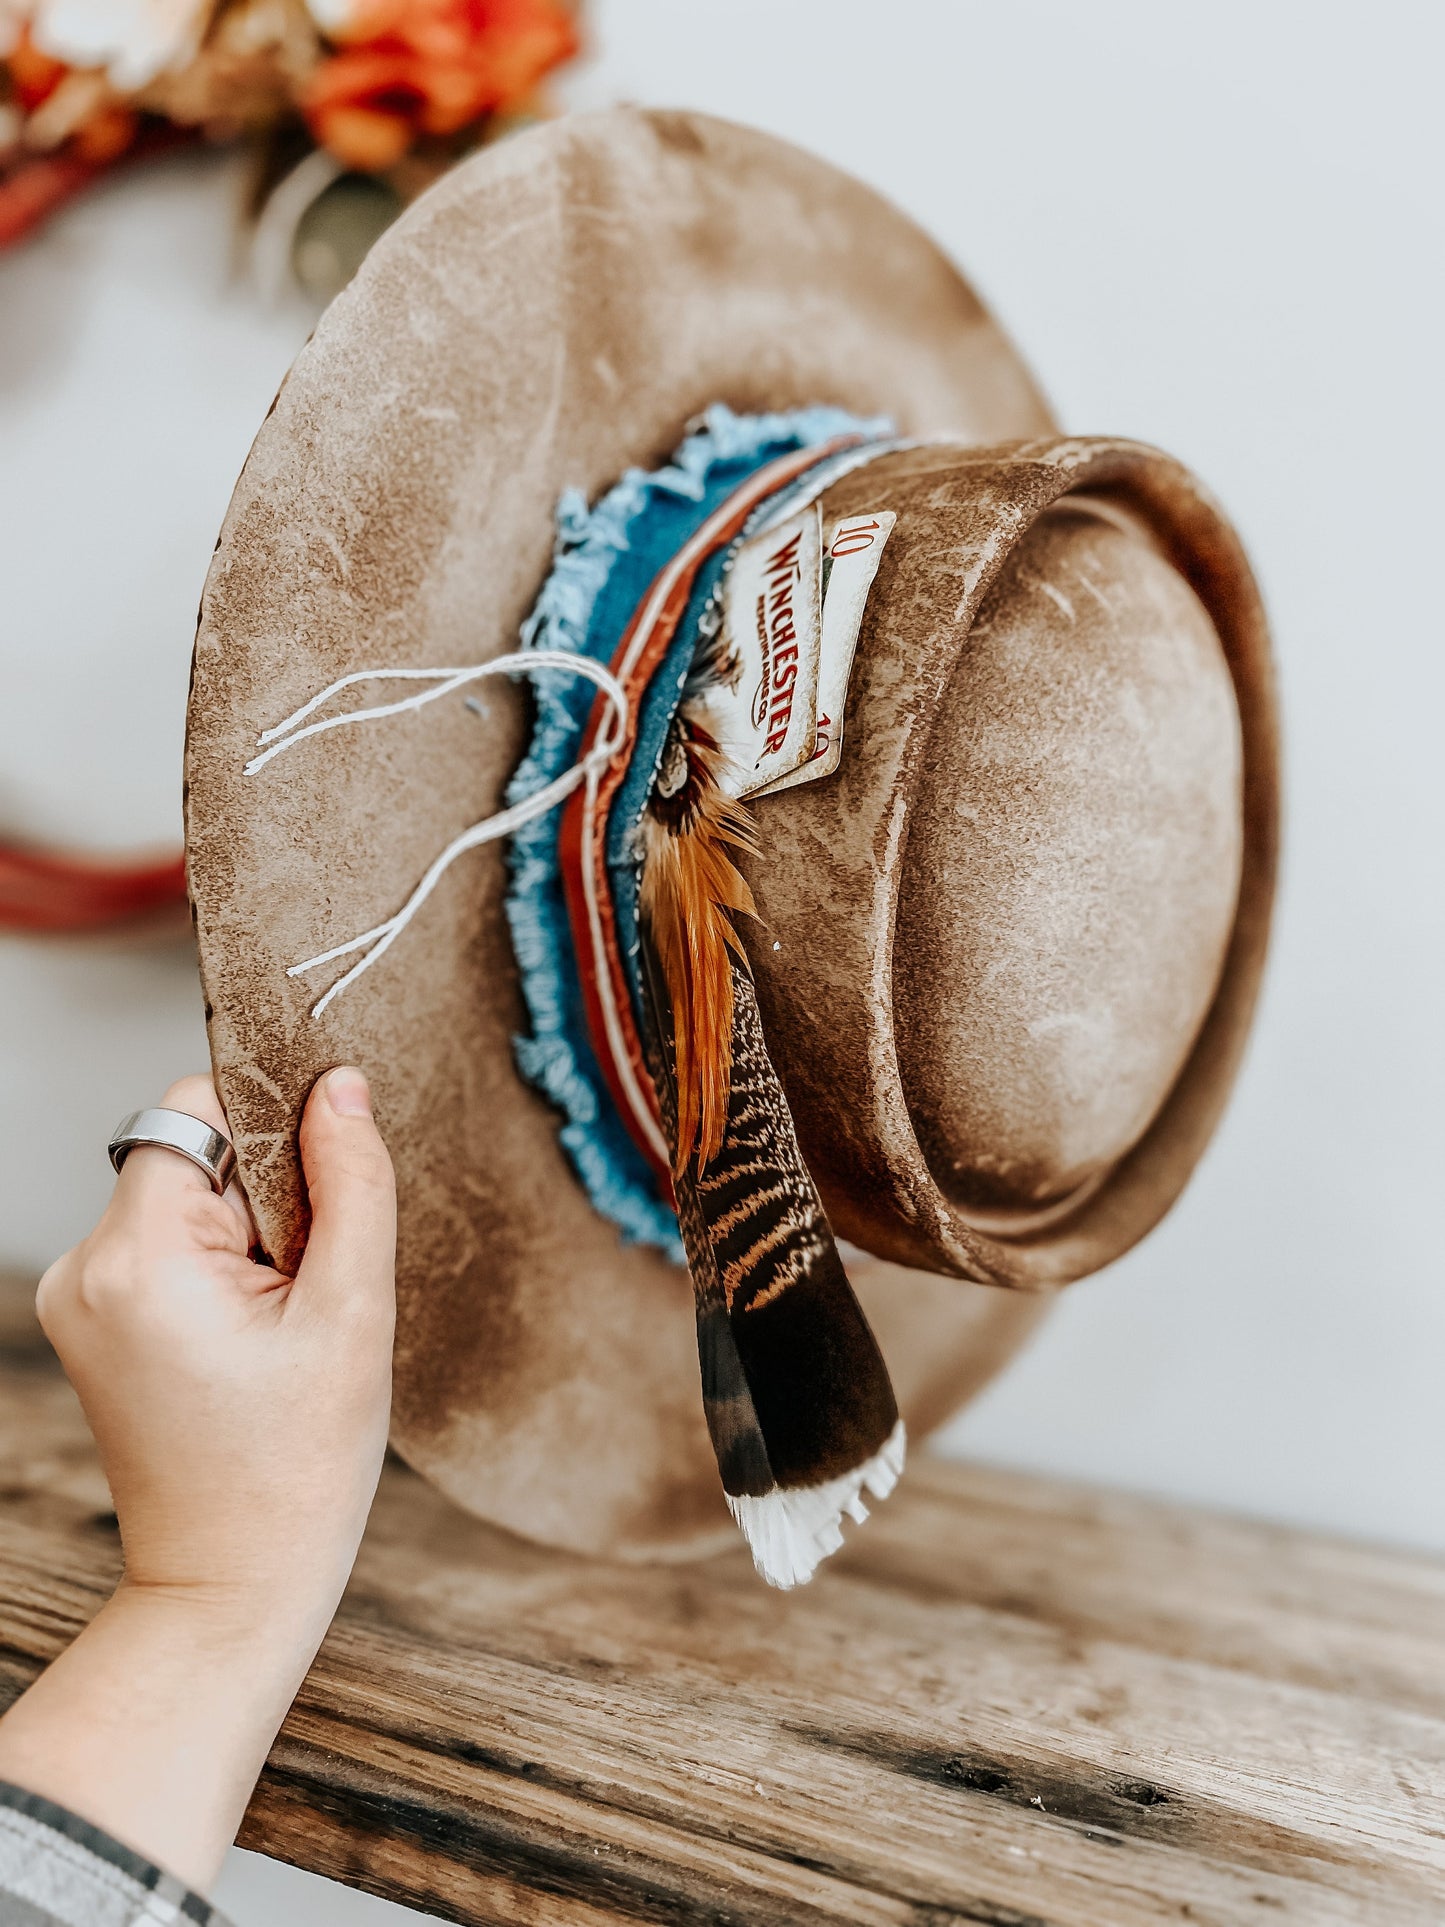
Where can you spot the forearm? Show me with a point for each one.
(156, 1722)
(241, 1420)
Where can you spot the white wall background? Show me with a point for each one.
(1212, 226)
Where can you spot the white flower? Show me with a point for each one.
(133, 40)
(332, 16)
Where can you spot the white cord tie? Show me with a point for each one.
(529, 662)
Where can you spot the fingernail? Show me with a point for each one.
(348, 1093)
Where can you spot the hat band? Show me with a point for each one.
(599, 861)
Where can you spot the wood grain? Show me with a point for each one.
(1011, 1702)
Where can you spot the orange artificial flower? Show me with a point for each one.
(429, 67)
(64, 106)
(34, 76)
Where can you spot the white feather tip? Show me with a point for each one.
(791, 1532)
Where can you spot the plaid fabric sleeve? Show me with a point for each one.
(59, 1871)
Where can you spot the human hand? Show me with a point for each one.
(241, 1417)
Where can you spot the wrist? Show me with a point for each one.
(267, 1631)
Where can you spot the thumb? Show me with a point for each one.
(351, 1253)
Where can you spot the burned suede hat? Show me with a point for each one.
(1006, 948)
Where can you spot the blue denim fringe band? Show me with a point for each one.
(604, 560)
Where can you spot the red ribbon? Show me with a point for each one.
(41, 890)
(40, 185)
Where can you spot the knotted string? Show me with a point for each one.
(588, 769)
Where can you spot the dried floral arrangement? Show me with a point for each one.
(391, 90)
(350, 107)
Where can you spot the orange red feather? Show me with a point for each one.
(691, 889)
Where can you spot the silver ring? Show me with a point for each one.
(207, 1148)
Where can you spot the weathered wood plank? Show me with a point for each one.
(1010, 1701)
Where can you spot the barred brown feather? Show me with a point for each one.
(797, 1396)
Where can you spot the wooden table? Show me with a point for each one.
(1010, 1701)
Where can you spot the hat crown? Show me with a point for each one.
(1013, 943)
(1073, 864)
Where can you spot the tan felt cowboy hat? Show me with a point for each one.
(1007, 953)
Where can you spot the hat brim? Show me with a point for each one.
(554, 311)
